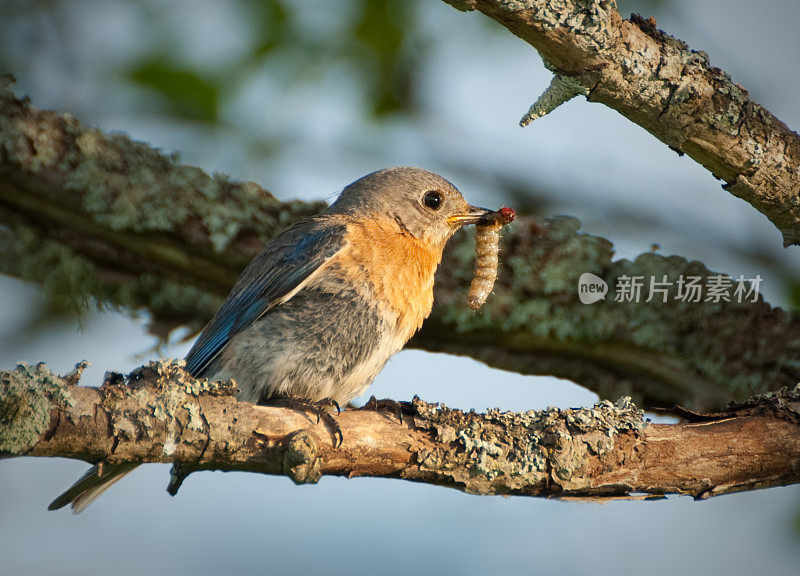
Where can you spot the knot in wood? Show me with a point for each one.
(300, 461)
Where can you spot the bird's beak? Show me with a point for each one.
(473, 215)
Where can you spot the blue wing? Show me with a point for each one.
(268, 281)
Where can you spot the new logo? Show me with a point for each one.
(591, 288)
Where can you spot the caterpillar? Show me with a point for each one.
(487, 249)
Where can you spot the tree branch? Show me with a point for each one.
(122, 221)
(90, 215)
(671, 91)
(161, 414)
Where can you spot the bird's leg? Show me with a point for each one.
(393, 406)
(318, 409)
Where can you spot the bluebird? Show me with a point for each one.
(317, 314)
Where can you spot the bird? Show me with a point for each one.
(318, 313)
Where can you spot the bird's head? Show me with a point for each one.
(422, 203)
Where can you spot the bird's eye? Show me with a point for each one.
(433, 199)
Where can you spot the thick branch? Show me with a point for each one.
(163, 415)
(144, 230)
(673, 92)
(92, 215)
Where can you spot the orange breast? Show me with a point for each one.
(398, 267)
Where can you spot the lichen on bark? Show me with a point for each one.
(27, 395)
(159, 413)
(503, 452)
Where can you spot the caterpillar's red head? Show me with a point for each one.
(506, 215)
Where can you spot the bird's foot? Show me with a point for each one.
(318, 409)
(390, 405)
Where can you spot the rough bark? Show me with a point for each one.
(673, 92)
(90, 215)
(144, 230)
(160, 414)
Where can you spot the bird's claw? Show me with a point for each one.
(333, 425)
(388, 404)
(332, 403)
(318, 409)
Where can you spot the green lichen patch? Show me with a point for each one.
(561, 90)
(588, 20)
(76, 284)
(170, 373)
(787, 398)
(68, 279)
(27, 396)
(507, 452)
(176, 394)
(161, 399)
(129, 186)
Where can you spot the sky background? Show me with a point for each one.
(302, 109)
